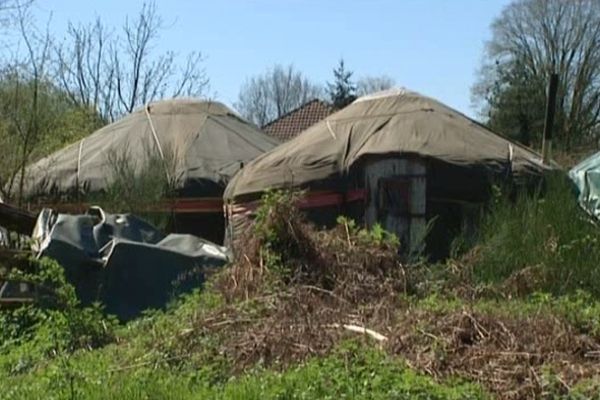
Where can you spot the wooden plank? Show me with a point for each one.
(11, 258)
(418, 205)
(16, 219)
(406, 177)
(9, 297)
(16, 300)
(13, 254)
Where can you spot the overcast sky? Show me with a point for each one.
(430, 46)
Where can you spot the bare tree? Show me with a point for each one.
(84, 69)
(268, 96)
(26, 106)
(36, 117)
(116, 72)
(371, 84)
(8, 22)
(7, 8)
(532, 39)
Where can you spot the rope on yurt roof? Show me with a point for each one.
(160, 151)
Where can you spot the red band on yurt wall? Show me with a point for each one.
(178, 206)
(310, 200)
(196, 205)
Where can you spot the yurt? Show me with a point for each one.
(200, 145)
(406, 161)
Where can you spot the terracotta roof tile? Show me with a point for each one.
(291, 124)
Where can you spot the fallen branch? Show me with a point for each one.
(359, 329)
(328, 292)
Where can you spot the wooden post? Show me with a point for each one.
(549, 120)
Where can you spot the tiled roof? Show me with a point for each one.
(295, 121)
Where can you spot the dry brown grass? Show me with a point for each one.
(276, 316)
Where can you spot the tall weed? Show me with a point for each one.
(543, 242)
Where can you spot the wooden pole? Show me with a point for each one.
(549, 120)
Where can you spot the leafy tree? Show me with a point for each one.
(31, 129)
(516, 104)
(266, 97)
(530, 40)
(342, 91)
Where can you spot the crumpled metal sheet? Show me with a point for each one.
(586, 176)
(123, 261)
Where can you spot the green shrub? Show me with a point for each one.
(54, 324)
(143, 187)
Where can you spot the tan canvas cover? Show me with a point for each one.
(395, 122)
(206, 142)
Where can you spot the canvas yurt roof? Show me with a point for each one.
(203, 143)
(396, 122)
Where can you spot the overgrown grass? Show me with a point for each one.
(580, 309)
(353, 371)
(543, 242)
(146, 361)
(162, 356)
(507, 320)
